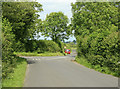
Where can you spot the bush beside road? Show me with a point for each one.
(38, 54)
(16, 79)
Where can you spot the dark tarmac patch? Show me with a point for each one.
(30, 62)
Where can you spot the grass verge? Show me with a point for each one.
(73, 48)
(16, 79)
(83, 61)
(104, 70)
(36, 54)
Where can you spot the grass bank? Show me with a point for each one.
(38, 54)
(16, 79)
(104, 70)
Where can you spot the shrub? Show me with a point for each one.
(101, 53)
(8, 59)
(42, 46)
(96, 30)
(18, 46)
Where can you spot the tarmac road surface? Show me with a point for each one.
(60, 71)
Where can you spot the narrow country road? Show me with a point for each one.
(60, 71)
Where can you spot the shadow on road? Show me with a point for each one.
(30, 62)
(73, 56)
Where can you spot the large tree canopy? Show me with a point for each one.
(89, 17)
(55, 26)
(23, 16)
(96, 30)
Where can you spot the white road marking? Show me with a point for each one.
(36, 59)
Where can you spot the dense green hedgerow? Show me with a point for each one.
(19, 46)
(8, 58)
(101, 54)
(42, 46)
(16, 79)
(96, 31)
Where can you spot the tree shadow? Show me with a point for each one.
(73, 56)
(30, 62)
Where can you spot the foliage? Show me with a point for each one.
(8, 58)
(16, 79)
(55, 26)
(24, 18)
(37, 54)
(70, 45)
(18, 46)
(41, 46)
(13, 67)
(96, 31)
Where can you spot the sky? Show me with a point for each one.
(56, 6)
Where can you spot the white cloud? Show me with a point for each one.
(56, 1)
(62, 1)
(55, 6)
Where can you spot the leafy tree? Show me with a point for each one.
(8, 58)
(55, 26)
(96, 31)
(24, 18)
(90, 16)
(41, 46)
(74, 41)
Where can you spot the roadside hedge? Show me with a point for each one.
(42, 46)
(19, 46)
(103, 54)
(96, 31)
(8, 58)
